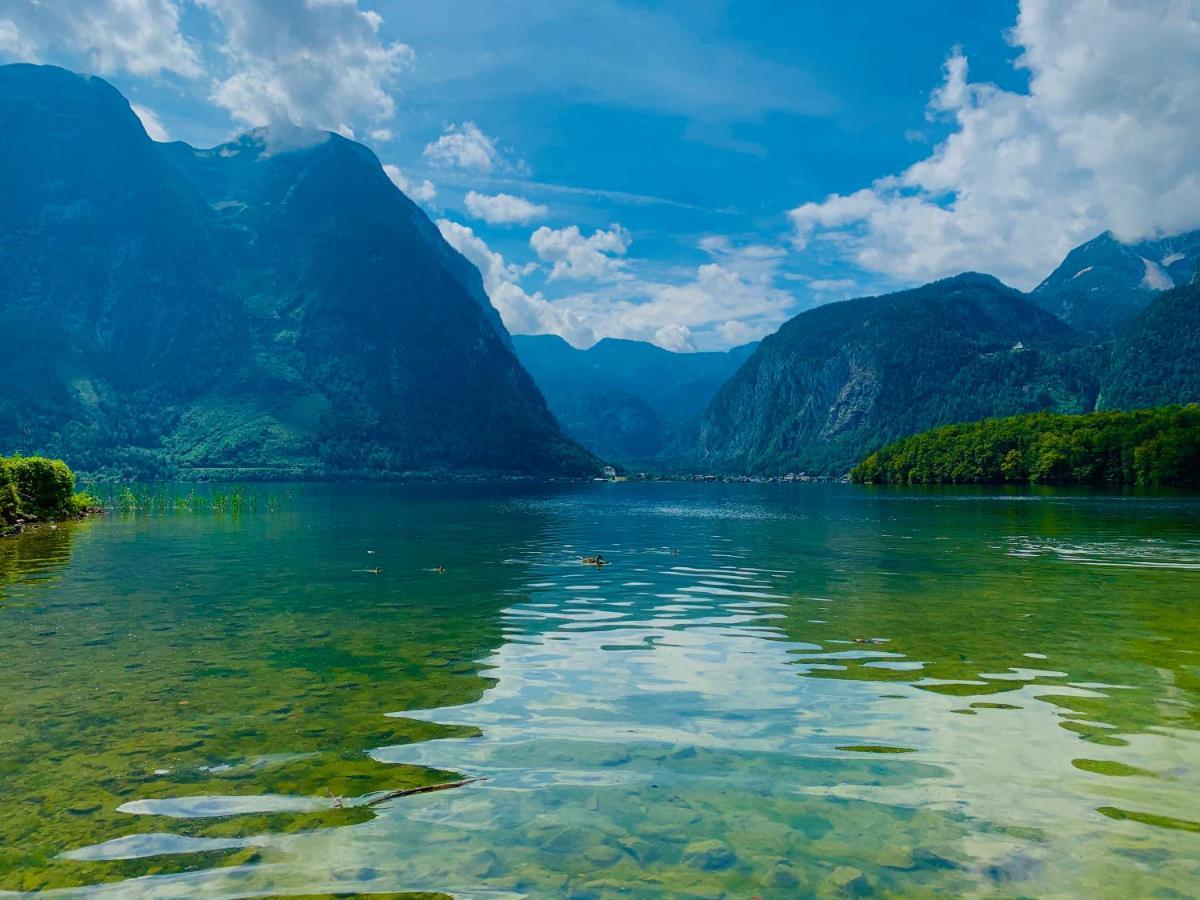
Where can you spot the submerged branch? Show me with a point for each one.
(429, 788)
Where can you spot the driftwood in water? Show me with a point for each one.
(429, 788)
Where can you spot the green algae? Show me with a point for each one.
(1146, 818)
(1110, 767)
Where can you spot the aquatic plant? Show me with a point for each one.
(161, 500)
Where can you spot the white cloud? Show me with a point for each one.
(503, 209)
(675, 337)
(826, 289)
(578, 257)
(422, 192)
(141, 37)
(465, 146)
(13, 45)
(1105, 138)
(151, 122)
(712, 296)
(735, 332)
(522, 313)
(713, 305)
(318, 64)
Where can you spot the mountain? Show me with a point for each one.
(624, 400)
(1103, 283)
(274, 304)
(1156, 357)
(838, 381)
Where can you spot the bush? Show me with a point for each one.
(33, 487)
(10, 501)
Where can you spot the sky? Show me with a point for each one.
(694, 173)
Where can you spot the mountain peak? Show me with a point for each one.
(1104, 282)
(273, 303)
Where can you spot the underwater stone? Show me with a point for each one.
(602, 855)
(484, 864)
(782, 877)
(896, 857)
(642, 851)
(667, 835)
(566, 840)
(846, 881)
(708, 855)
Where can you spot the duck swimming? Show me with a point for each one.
(597, 561)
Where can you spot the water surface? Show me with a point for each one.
(773, 690)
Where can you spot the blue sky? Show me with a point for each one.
(693, 173)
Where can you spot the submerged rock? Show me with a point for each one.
(484, 864)
(643, 852)
(846, 881)
(896, 857)
(571, 839)
(602, 855)
(783, 876)
(708, 855)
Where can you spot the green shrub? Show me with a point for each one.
(10, 501)
(33, 487)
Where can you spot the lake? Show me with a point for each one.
(771, 690)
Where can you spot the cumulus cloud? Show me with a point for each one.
(735, 332)
(522, 312)
(465, 146)
(1104, 139)
(712, 296)
(712, 305)
(578, 257)
(141, 37)
(422, 191)
(675, 337)
(503, 209)
(151, 122)
(318, 64)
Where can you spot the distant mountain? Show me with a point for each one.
(838, 381)
(1156, 357)
(274, 304)
(624, 400)
(1103, 283)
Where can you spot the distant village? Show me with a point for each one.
(610, 473)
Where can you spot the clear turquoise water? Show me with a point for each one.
(772, 690)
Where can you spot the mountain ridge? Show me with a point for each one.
(273, 308)
(841, 379)
(625, 400)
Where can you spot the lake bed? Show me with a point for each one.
(771, 689)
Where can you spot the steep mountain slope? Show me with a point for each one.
(1103, 283)
(1156, 357)
(840, 380)
(274, 304)
(624, 399)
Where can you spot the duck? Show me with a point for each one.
(597, 560)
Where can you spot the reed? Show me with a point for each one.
(161, 500)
